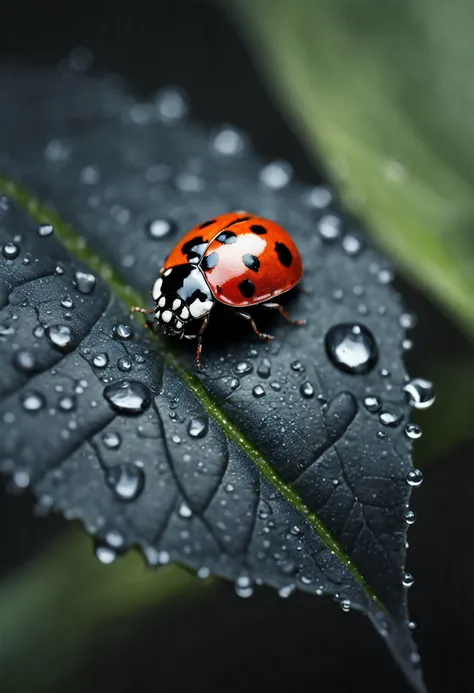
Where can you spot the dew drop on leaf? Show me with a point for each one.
(387, 418)
(126, 480)
(100, 360)
(67, 302)
(111, 440)
(407, 580)
(258, 391)
(124, 364)
(160, 228)
(413, 431)
(32, 401)
(264, 368)
(10, 251)
(329, 228)
(307, 390)
(128, 396)
(67, 404)
(414, 477)
(60, 336)
(24, 361)
(352, 348)
(372, 403)
(420, 392)
(122, 332)
(185, 511)
(84, 282)
(410, 517)
(45, 230)
(243, 368)
(243, 587)
(197, 427)
(114, 539)
(105, 554)
(297, 366)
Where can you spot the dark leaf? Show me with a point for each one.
(271, 468)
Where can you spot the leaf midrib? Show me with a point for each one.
(75, 244)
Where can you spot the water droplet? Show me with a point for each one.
(67, 302)
(306, 389)
(408, 580)
(67, 403)
(407, 320)
(128, 396)
(352, 245)
(421, 393)
(84, 282)
(24, 361)
(100, 360)
(352, 348)
(388, 418)
(413, 431)
(276, 175)
(197, 427)
(105, 554)
(114, 538)
(318, 197)
(38, 331)
(381, 434)
(171, 104)
(185, 511)
(203, 573)
(90, 175)
(258, 391)
(297, 366)
(286, 591)
(59, 270)
(228, 141)
(264, 368)
(10, 251)
(160, 228)
(60, 336)
(412, 625)
(21, 479)
(32, 401)
(243, 368)
(410, 517)
(45, 230)
(111, 440)
(329, 228)
(229, 488)
(385, 276)
(124, 364)
(234, 383)
(414, 477)
(126, 480)
(122, 332)
(243, 587)
(275, 386)
(372, 403)
(346, 605)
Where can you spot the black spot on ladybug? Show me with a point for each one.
(252, 262)
(210, 261)
(194, 248)
(227, 237)
(237, 221)
(284, 255)
(207, 223)
(258, 229)
(219, 289)
(247, 288)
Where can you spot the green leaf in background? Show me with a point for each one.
(384, 91)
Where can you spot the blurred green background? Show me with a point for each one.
(377, 98)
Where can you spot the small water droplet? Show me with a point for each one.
(388, 418)
(329, 228)
(243, 368)
(234, 383)
(243, 587)
(105, 554)
(297, 366)
(38, 331)
(128, 396)
(381, 434)
(60, 336)
(275, 386)
(421, 393)
(414, 477)
(84, 282)
(372, 403)
(197, 427)
(122, 332)
(346, 605)
(59, 270)
(228, 141)
(10, 251)
(45, 230)
(24, 361)
(407, 320)
(352, 245)
(385, 276)
(318, 197)
(126, 480)
(171, 104)
(407, 580)
(276, 175)
(21, 479)
(124, 364)
(410, 517)
(412, 625)
(100, 360)
(258, 391)
(286, 591)
(306, 389)
(111, 440)
(114, 538)
(185, 511)
(413, 431)
(229, 488)
(203, 573)
(67, 302)
(264, 368)
(67, 403)
(160, 228)
(352, 348)
(32, 401)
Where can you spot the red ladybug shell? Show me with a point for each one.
(246, 259)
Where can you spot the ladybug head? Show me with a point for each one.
(183, 299)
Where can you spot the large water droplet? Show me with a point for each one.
(407, 320)
(197, 427)
(421, 393)
(298, 366)
(122, 332)
(124, 364)
(276, 175)
(352, 245)
(329, 228)
(126, 481)
(84, 282)
(372, 403)
(111, 440)
(352, 348)
(410, 517)
(264, 368)
(228, 141)
(413, 431)
(390, 419)
(128, 396)
(306, 389)
(258, 391)
(60, 336)
(243, 368)
(171, 104)
(67, 403)
(160, 228)
(32, 401)
(185, 511)
(414, 477)
(243, 587)
(407, 580)
(67, 302)
(45, 230)
(105, 554)
(100, 360)
(24, 361)
(10, 251)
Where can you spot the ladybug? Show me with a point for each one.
(237, 259)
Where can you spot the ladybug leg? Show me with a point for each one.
(248, 318)
(276, 306)
(145, 311)
(199, 342)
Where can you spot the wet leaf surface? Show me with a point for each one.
(290, 467)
